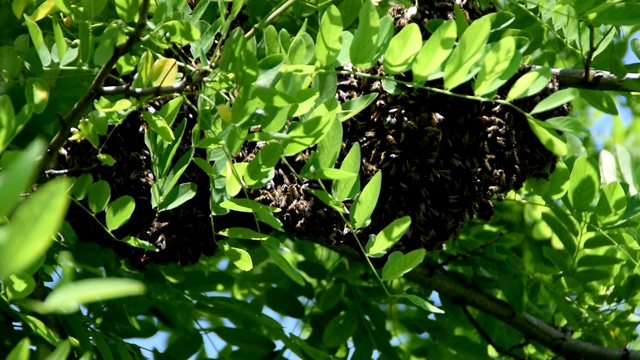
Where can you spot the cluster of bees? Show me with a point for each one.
(444, 161)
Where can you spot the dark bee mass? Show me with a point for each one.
(444, 160)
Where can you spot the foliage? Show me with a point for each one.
(562, 250)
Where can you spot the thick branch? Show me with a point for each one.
(78, 109)
(529, 325)
(533, 328)
(598, 80)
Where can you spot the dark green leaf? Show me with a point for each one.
(340, 329)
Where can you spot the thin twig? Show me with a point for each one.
(271, 17)
(586, 78)
(127, 90)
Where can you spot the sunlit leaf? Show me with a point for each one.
(365, 202)
(363, 47)
(28, 240)
(402, 50)
(119, 211)
(399, 264)
(67, 298)
(529, 84)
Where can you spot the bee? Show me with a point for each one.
(487, 165)
(161, 242)
(391, 140)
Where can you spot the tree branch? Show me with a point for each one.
(487, 338)
(531, 327)
(198, 77)
(92, 93)
(598, 80)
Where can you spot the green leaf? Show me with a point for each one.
(243, 233)
(399, 264)
(500, 63)
(18, 174)
(529, 84)
(36, 91)
(330, 146)
(260, 168)
(184, 346)
(21, 351)
(301, 50)
(40, 329)
(470, 49)
(567, 125)
(252, 341)
(612, 203)
(329, 39)
(67, 298)
(549, 138)
(285, 266)
(127, 9)
(141, 244)
(626, 168)
(26, 240)
(178, 196)
(434, 53)
(364, 203)
(556, 99)
(106, 159)
(159, 125)
(181, 32)
(340, 329)
(239, 257)
(402, 49)
(328, 200)
(245, 205)
(556, 258)
(589, 275)
(82, 185)
(352, 107)
(167, 183)
(38, 41)
(584, 183)
(107, 44)
(164, 72)
(620, 14)
(363, 47)
(86, 42)
(271, 40)
(18, 286)
(598, 260)
(388, 236)
(420, 302)
(347, 188)
(119, 211)
(600, 100)
(513, 288)
(99, 196)
(61, 352)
